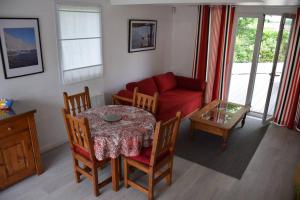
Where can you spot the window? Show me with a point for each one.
(80, 42)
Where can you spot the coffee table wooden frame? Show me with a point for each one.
(223, 130)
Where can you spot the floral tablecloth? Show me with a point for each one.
(124, 137)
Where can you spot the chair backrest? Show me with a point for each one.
(77, 102)
(79, 135)
(164, 139)
(145, 101)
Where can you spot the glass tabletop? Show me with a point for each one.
(221, 113)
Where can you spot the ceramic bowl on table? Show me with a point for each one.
(111, 118)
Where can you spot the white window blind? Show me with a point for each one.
(80, 42)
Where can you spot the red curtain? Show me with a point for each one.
(213, 47)
(287, 108)
(298, 116)
(199, 68)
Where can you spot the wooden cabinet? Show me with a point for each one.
(19, 149)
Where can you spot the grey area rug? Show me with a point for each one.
(205, 149)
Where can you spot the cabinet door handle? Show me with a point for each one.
(9, 128)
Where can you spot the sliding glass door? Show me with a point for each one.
(278, 65)
(243, 55)
(260, 47)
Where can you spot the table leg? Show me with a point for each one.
(225, 139)
(120, 169)
(115, 173)
(243, 120)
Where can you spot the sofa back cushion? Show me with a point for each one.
(165, 82)
(190, 83)
(146, 86)
(130, 86)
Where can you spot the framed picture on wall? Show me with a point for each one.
(142, 35)
(20, 47)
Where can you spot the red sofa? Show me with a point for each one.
(176, 93)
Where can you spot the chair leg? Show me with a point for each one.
(120, 168)
(169, 176)
(125, 173)
(150, 185)
(95, 180)
(77, 174)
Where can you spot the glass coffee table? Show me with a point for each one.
(218, 118)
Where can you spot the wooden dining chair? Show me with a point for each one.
(83, 151)
(145, 101)
(77, 103)
(151, 160)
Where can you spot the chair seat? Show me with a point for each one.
(145, 156)
(81, 151)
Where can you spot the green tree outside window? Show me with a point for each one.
(244, 44)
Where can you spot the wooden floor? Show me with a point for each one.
(268, 176)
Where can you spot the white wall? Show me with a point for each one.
(122, 67)
(44, 91)
(183, 39)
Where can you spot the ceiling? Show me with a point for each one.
(192, 2)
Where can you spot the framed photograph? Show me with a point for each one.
(20, 47)
(142, 35)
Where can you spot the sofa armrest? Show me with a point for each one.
(124, 97)
(118, 100)
(190, 83)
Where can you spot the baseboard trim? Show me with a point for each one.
(53, 146)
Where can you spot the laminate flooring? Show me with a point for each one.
(269, 175)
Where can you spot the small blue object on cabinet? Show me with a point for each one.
(6, 104)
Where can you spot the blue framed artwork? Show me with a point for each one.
(20, 47)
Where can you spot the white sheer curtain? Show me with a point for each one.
(80, 42)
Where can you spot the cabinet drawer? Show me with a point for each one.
(13, 127)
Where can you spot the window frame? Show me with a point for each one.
(59, 43)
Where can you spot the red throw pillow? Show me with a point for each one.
(147, 86)
(166, 81)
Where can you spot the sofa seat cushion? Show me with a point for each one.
(145, 156)
(146, 86)
(175, 100)
(165, 82)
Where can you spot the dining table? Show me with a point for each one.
(125, 136)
